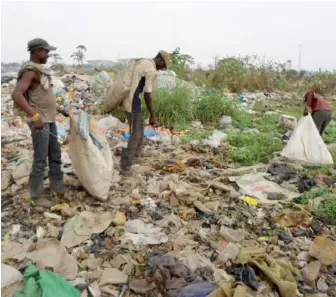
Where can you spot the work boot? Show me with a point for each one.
(126, 160)
(57, 187)
(36, 186)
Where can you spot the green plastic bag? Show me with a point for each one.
(44, 283)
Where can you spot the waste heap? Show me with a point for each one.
(184, 224)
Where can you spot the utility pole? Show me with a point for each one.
(300, 54)
(216, 60)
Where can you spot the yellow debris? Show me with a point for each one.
(249, 200)
(119, 219)
(59, 207)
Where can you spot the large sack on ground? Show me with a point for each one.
(90, 155)
(306, 144)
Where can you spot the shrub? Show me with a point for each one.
(210, 108)
(173, 107)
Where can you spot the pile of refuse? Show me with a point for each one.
(185, 224)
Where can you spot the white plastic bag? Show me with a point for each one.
(226, 121)
(306, 144)
(9, 275)
(215, 139)
(142, 234)
(90, 155)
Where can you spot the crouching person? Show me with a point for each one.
(319, 108)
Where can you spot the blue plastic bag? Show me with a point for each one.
(148, 134)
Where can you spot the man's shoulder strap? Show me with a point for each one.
(38, 69)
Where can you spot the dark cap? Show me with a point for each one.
(39, 43)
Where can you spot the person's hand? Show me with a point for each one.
(38, 124)
(63, 111)
(153, 120)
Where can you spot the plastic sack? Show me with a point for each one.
(201, 289)
(109, 122)
(44, 283)
(215, 139)
(119, 90)
(9, 275)
(226, 121)
(90, 155)
(306, 144)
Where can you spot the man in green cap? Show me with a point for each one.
(137, 78)
(35, 102)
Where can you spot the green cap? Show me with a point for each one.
(39, 43)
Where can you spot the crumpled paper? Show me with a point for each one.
(51, 253)
(80, 228)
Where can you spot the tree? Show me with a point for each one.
(181, 63)
(57, 64)
(179, 60)
(78, 56)
(229, 73)
(56, 58)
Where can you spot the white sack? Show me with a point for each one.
(90, 156)
(306, 144)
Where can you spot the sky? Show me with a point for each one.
(112, 30)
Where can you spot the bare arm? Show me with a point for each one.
(307, 103)
(149, 103)
(22, 87)
(152, 117)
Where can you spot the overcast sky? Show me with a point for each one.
(112, 30)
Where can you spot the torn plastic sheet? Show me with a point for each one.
(257, 186)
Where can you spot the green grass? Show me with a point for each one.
(288, 107)
(313, 193)
(327, 208)
(173, 107)
(311, 172)
(210, 108)
(177, 108)
(268, 124)
(330, 134)
(249, 149)
(195, 135)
